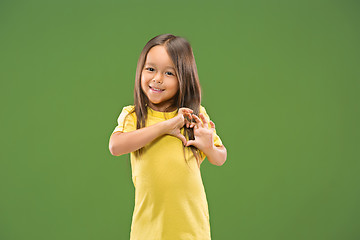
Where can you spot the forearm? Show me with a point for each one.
(216, 155)
(122, 143)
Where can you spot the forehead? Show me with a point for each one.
(158, 56)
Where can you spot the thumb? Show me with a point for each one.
(182, 138)
(191, 142)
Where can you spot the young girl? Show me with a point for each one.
(168, 134)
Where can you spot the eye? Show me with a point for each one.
(150, 69)
(170, 73)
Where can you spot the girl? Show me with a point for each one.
(168, 134)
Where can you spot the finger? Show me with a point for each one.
(191, 124)
(185, 110)
(185, 114)
(198, 121)
(192, 121)
(182, 138)
(204, 120)
(187, 123)
(189, 115)
(212, 124)
(191, 142)
(188, 120)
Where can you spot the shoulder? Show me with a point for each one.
(127, 111)
(202, 109)
(128, 108)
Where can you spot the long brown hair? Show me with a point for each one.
(189, 94)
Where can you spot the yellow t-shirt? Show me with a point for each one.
(170, 199)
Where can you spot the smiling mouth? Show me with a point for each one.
(156, 89)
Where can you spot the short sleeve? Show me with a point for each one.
(126, 121)
(217, 140)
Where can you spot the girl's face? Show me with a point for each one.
(158, 79)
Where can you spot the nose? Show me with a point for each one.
(157, 78)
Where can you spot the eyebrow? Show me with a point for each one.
(155, 65)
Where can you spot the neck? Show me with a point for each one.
(162, 108)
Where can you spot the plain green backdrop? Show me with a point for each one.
(280, 79)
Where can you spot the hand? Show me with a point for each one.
(176, 123)
(204, 139)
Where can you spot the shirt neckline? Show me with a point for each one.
(161, 114)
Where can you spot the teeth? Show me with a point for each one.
(156, 89)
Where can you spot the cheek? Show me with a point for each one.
(143, 85)
(146, 74)
(143, 76)
(175, 85)
(143, 79)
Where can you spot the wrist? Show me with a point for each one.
(209, 150)
(165, 126)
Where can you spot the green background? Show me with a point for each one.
(280, 79)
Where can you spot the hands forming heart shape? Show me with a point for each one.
(203, 129)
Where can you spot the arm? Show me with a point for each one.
(204, 140)
(125, 142)
(216, 155)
